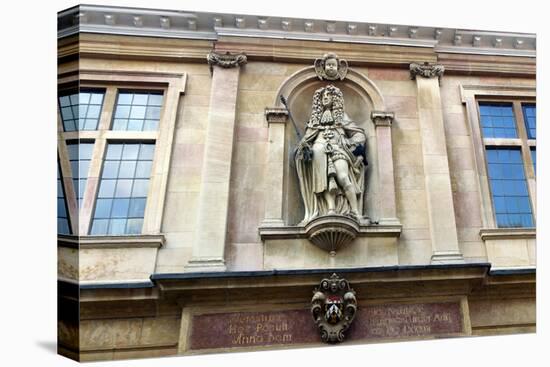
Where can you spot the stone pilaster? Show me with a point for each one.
(209, 241)
(276, 119)
(386, 203)
(441, 213)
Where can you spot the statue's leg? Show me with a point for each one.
(342, 175)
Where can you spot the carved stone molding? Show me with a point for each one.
(381, 118)
(333, 308)
(226, 60)
(426, 70)
(276, 115)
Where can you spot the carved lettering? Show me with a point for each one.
(254, 329)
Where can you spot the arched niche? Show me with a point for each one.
(361, 98)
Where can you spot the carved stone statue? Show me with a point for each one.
(333, 308)
(330, 67)
(330, 159)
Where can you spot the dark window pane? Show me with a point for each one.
(120, 124)
(81, 111)
(127, 169)
(140, 188)
(117, 226)
(153, 113)
(140, 99)
(155, 99)
(134, 226)
(99, 226)
(125, 98)
(135, 125)
(110, 169)
(137, 208)
(146, 151)
(129, 166)
(122, 112)
(130, 151)
(137, 111)
(534, 158)
(123, 188)
(97, 98)
(107, 188)
(509, 187)
(103, 208)
(144, 169)
(114, 151)
(150, 125)
(530, 117)
(497, 120)
(120, 208)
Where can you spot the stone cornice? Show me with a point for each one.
(212, 26)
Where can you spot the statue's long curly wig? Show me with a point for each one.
(337, 105)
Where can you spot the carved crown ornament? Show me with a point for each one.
(226, 60)
(426, 70)
(333, 308)
(331, 67)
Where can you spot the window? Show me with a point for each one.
(63, 226)
(530, 117)
(508, 131)
(497, 120)
(114, 132)
(534, 159)
(80, 155)
(120, 203)
(81, 111)
(137, 111)
(509, 187)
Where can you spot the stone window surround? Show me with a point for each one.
(172, 86)
(471, 95)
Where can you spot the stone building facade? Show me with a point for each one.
(180, 210)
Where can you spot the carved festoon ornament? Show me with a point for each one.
(330, 67)
(333, 308)
(330, 159)
(426, 70)
(226, 60)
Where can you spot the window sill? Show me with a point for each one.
(507, 233)
(111, 242)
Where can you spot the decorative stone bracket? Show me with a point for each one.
(426, 70)
(226, 60)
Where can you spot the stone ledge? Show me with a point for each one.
(507, 233)
(370, 230)
(111, 242)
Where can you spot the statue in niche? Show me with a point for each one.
(330, 159)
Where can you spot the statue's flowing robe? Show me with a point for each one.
(313, 175)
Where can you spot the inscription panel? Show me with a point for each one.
(383, 321)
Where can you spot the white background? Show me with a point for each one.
(28, 158)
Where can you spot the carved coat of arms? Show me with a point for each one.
(333, 308)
